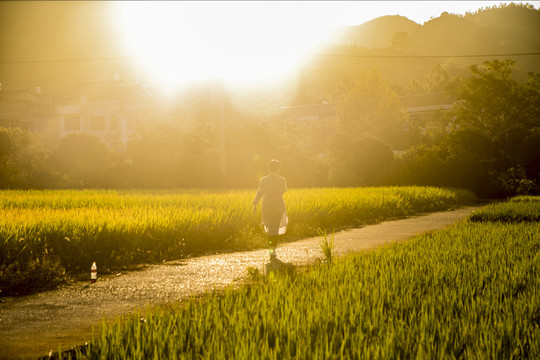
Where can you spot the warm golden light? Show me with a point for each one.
(183, 42)
(247, 43)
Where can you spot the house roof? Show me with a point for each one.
(19, 94)
(436, 100)
(107, 90)
(324, 110)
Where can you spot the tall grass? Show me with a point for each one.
(519, 208)
(472, 291)
(118, 228)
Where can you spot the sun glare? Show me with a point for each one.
(240, 42)
(246, 42)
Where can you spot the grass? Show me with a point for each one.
(68, 230)
(326, 244)
(518, 209)
(471, 291)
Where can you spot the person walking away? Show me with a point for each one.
(274, 214)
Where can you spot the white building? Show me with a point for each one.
(108, 109)
(26, 109)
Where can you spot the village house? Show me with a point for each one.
(421, 106)
(324, 111)
(110, 110)
(113, 110)
(26, 109)
(319, 123)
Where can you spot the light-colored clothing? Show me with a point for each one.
(274, 214)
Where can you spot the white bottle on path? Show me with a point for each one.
(93, 272)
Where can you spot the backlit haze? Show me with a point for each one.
(180, 43)
(248, 43)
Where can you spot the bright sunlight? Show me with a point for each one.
(246, 42)
(241, 42)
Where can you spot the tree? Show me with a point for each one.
(165, 156)
(493, 147)
(24, 161)
(531, 155)
(400, 41)
(84, 160)
(6, 150)
(467, 158)
(491, 99)
(493, 102)
(358, 162)
(371, 108)
(248, 149)
(439, 81)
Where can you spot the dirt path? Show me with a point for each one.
(30, 326)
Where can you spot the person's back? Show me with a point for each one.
(274, 214)
(273, 187)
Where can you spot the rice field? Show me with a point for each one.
(52, 232)
(519, 208)
(469, 292)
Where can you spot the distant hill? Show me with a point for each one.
(82, 30)
(395, 46)
(509, 29)
(377, 33)
(500, 30)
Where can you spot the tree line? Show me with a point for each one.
(489, 142)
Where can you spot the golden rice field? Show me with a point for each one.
(471, 291)
(49, 232)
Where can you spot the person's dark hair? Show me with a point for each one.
(274, 165)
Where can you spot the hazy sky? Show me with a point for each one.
(250, 40)
(182, 41)
(358, 12)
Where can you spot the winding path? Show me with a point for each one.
(30, 326)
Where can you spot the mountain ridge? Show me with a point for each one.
(507, 29)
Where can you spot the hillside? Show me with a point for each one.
(83, 31)
(450, 35)
(508, 29)
(382, 42)
(377, 33)
(516, 27)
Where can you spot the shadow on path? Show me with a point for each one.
(32, 325)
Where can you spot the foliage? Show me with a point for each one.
(502, 113)
(120, 228)
(491, 99)
(491, 147)
(84, 159)
(355, 162)
(371, 108)
(515, 182)
(518, 209)
(25, 161)
(166, 157)
(248, 148)
(471, 291)
(37, 273)
(488, 143)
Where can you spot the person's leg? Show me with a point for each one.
(272, 242)
(271, 221)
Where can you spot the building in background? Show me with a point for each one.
(26, 109)
(110, 110)
(420, 107)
